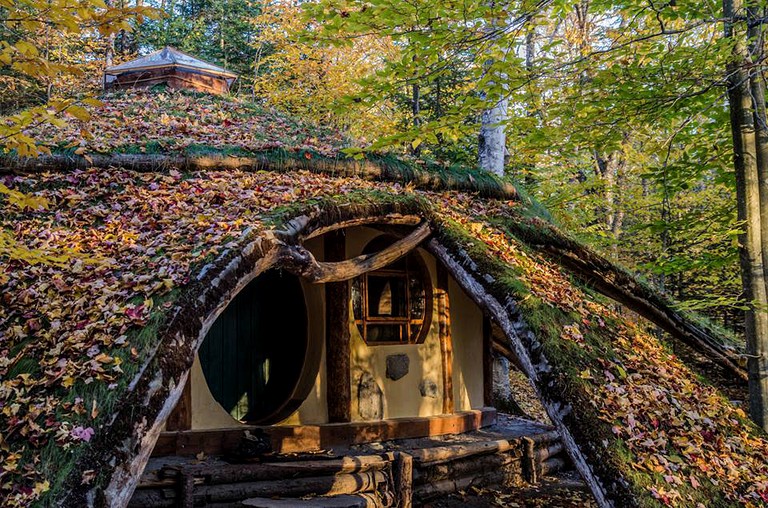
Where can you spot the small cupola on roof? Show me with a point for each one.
(171, 67)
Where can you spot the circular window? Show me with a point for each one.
(256, 358)
(393, 305)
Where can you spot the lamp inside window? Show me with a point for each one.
(393, 305)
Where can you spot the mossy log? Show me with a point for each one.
(372, 169)
(234, 473)
(442, 454)
(364, 500)
(613, 282)
(477, 466)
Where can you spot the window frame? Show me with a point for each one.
(414, 266)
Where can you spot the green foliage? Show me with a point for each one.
(219, 31)
(616, 119)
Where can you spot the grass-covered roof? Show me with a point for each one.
(107, 274)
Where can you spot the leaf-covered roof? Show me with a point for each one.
(106, 275)
(138, 121)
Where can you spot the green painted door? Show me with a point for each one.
(254, 354)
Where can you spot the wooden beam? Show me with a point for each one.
(402, 477)
(487, 361)
(298, 260)
(307, 438)
(337, 337)
(392, 219)
(181, 416)
(446, 341)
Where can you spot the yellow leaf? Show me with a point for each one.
(79, 112)
(41, 487)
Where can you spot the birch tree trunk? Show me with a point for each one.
(492, 148)
(492, 145)
(746, 97)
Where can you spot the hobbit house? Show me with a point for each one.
(290, 327)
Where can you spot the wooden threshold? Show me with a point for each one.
(307, 438)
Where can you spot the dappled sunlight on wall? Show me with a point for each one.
(467, 332)
(206, 412)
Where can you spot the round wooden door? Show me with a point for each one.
(257, 359)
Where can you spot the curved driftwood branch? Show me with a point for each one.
(298, 260)
(392, 219)
(513, 329)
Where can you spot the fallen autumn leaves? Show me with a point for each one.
(115, 249)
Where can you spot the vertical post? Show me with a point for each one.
(530, 468)
(402, 478)
(446, 343)
(487, 362)
(187, 494)
(181, 416)
(337, 338)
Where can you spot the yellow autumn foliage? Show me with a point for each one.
(299, 73)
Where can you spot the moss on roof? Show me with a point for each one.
(102, 305)
(142, 121)
(75, 333)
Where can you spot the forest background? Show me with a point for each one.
(617, 112)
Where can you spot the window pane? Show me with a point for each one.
(386, 296)
(418, 298)
(357, 298)
(385, 333)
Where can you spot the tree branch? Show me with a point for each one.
(298, 260)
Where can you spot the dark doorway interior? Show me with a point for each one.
(254, 354)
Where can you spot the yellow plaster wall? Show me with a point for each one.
(314, 408)
(467, 334)
(206, 412)
(401, 397)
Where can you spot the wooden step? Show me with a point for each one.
(344, 501)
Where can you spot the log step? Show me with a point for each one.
(344, 501)
(348, 483)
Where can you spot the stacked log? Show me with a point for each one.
(205, 485)
(443, 470)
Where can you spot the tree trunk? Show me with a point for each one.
(747, 168)
(416, 109)
(529, 167)
(492, 143)
(109, 53)
(493, 138)
(758, 350)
